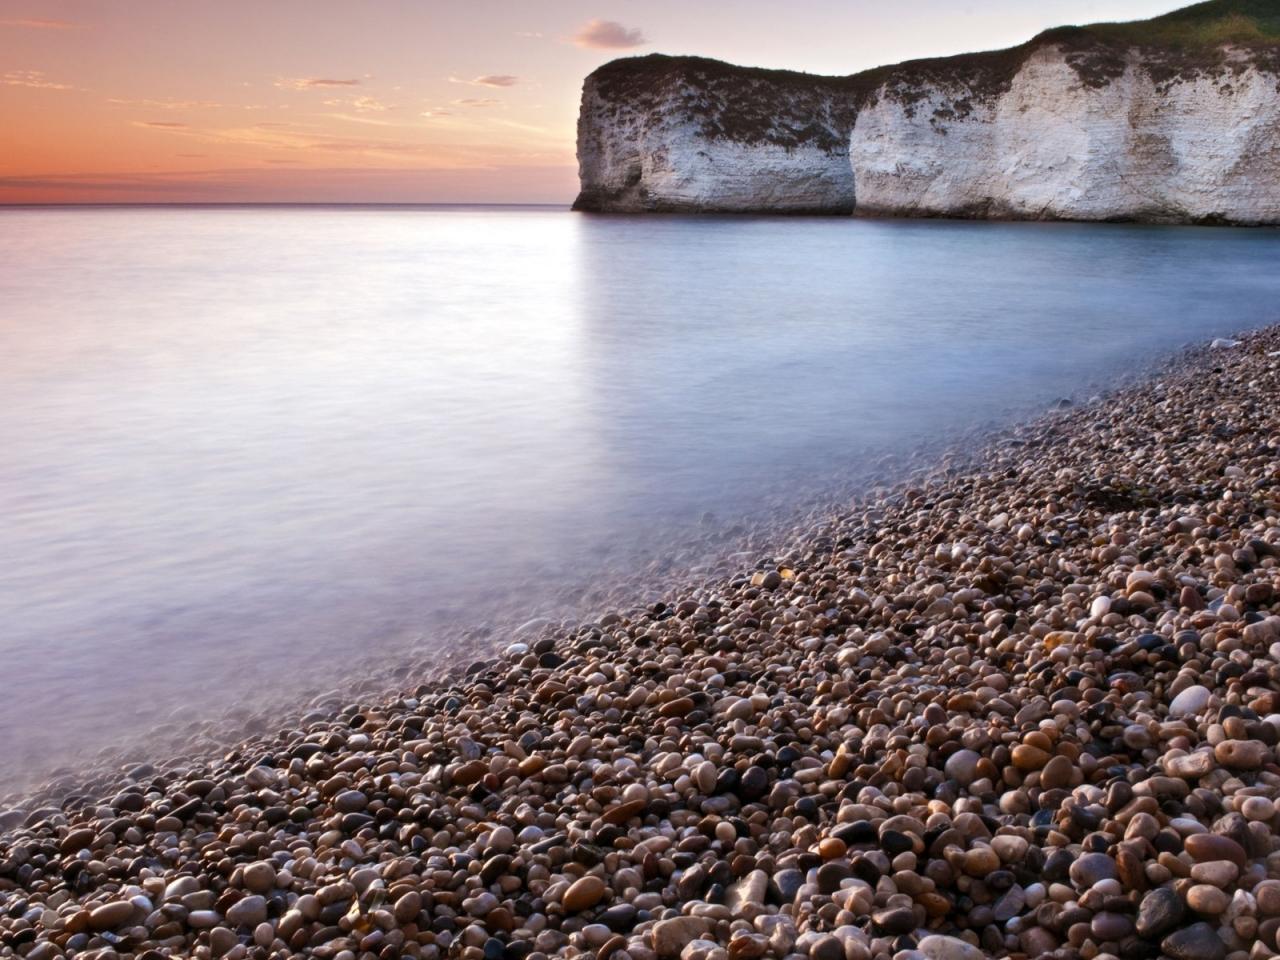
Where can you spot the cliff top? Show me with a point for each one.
(1201, 26)
(1187, 40)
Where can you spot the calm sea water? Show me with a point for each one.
(241, 441)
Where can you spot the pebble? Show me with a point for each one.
(1197, 942)
(962, 766)
(247, 912)
(584, 894)
(1092, 868)
(110, 915)
(1160, 911)
(672, 936)
(1203, 898)
(259, 877)
(1192, 700)
(1211, 846)
(938, 947)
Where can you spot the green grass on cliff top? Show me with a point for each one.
(1208, 24)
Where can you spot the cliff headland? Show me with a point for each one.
(1170, 120)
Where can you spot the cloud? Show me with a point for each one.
(477, 102)
(162, 124)
(436, 113)
(529, 34)
(362, 104)
(38, 23)
(489, 80)
(451, 180)
(164, 104)
(311, 83)
(608, 35)
(32, 78)
(362, 118)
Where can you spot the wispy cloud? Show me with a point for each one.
(165, 104)
(362, 104)
(400, 145)
(477, 102)
(436, 113)
(362, 118)
(447, 177)
(312, 83)
(608, 35)
(40, 23)
(530, 34)
(489, 80)
(32, 78)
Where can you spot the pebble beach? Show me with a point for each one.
(1026, 704)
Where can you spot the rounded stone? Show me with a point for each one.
(1216, 873)
(1267, 896)
(108, 916)
(1056, 774)
(895, 920)
(962, 766)
(1212, 846)
(826, 948)
(259, 877)
(247, 911)
(1190, 701)
(1092, 868)
(1107, 926)
(1208, 900)
(1242, 754)
(1029, 758)
(583, 894)
(939, 947)
(1196, 942)
(221, 940)
(350, 801)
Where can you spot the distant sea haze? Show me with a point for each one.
(249, 446)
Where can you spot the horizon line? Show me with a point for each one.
(287, 203)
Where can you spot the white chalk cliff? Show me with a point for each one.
(661, 134)
(1069, 126)
(1051, 146)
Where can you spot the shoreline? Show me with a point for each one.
(931, 715)
(684, 558)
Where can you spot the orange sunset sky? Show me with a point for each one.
(406, 101)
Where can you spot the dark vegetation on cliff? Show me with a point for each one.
(745, 104)
(791, 109)
(1204, 25)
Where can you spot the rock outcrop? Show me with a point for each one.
(672, 134)
(1152, 122)
(1054, 143)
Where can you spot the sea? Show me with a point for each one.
(244, 450)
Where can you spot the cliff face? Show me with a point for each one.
(665, 134)
(1171, 120)
(1052, 144)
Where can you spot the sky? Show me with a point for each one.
(398, 101)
